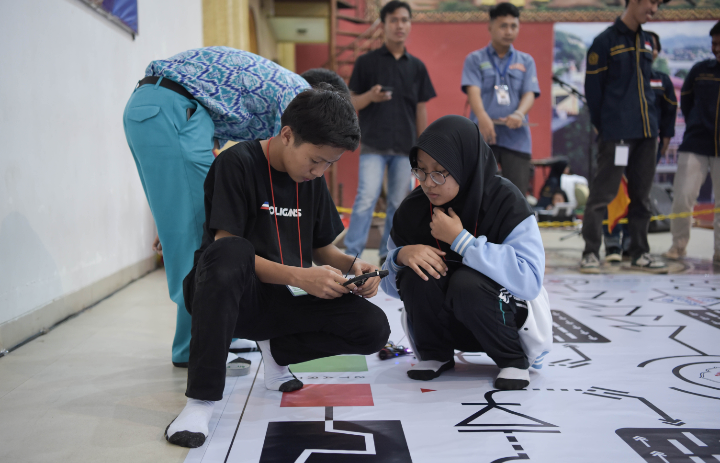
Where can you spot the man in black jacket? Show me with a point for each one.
(699, 150)
(622, 109)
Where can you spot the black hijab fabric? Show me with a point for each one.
(485, 200)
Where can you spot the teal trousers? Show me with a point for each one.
(173, 155)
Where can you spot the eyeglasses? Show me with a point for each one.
(437, 177)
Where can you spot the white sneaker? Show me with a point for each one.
(648, 263)
(590, 264)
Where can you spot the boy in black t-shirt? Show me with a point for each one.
(268, 217)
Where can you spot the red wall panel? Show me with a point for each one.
(443, 48)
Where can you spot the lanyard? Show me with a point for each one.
(507, 65)
(297, 202)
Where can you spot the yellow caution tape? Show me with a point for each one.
(655, 217)
(346, 210)
(382, 215)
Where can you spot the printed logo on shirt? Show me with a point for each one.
(485, 65)
(656, 83)
(283, 211)
(648, 46)
(265, 206)
(518, 66)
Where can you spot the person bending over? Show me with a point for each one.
(316, 76)
(466, 257)
(268, 217)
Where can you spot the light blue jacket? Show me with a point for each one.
(518, 264)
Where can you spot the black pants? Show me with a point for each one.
(515, 166)
(229, 301)
(464, 310)
(640, 173)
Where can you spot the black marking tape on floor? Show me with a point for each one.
(619, 395)
(670, 445)
(568, 329)
(708, 316)
(335, 442)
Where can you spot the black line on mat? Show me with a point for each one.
(243, 412)
(633, 311)
(581, 365)
(695, 393)
(611, 390)
(505, 430)
(604, 396)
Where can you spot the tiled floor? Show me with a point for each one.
(100, 387)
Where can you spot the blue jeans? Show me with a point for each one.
(372, 168)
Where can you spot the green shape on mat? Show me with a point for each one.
(338, 363)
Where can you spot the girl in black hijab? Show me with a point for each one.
(465, 254)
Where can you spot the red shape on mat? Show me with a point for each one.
(329, 395)
(427, 390)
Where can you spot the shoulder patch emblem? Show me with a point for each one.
(593, 59)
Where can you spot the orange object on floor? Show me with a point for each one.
(618, 207)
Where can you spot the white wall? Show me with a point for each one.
(72, 209)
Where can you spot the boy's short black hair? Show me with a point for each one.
(393, 5)
(715, 29)
(318, 75)
(504, 9)
(657, 40)
(323, 116)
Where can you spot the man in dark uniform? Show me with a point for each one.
(700, 150)
(618, 242)
(622, 109)
(665, 101)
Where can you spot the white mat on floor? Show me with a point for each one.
(634, 374)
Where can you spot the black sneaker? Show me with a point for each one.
(613, 255)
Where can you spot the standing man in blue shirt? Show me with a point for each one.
(501, 85)
(184, 106)
(699, 151)
(622, 108)
(389, 88)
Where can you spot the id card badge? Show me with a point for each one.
(622, 152)
(295, 291)
(502, 93)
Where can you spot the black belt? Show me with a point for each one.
(168, 84)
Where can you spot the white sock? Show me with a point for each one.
(243, 345)
(514, 373)
(433, 365)
(277, 378)
(190, 428)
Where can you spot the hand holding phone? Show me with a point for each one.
(361, 279)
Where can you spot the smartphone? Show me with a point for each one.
(386, 89)
(360, 280)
